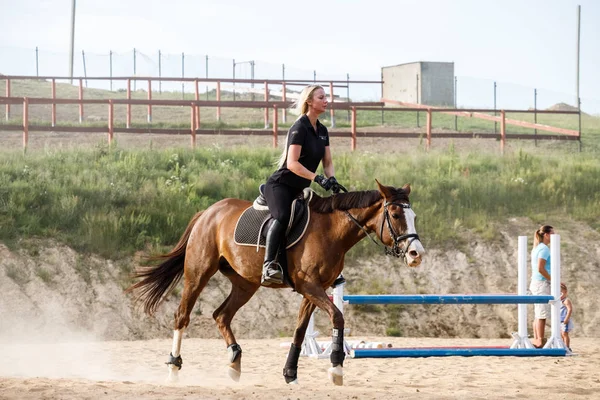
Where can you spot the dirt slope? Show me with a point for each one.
(48, 290)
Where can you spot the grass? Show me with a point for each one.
(114, 202)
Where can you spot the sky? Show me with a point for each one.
(525, 43)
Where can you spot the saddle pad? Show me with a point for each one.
(249, 226)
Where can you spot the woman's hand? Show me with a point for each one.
(325, 183)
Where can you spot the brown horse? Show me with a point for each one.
(337, 223)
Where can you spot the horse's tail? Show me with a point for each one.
(162, 278)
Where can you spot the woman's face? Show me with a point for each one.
(318, 103)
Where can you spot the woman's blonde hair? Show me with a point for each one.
(300, 106)
(538, 236)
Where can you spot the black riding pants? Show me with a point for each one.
(279, 198)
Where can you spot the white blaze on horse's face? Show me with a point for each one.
(415, 250)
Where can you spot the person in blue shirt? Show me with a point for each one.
(540, 280)
(566, 312)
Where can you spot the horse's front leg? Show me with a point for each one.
(290, 370)
(317, 295)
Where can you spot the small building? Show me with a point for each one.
(421, 82)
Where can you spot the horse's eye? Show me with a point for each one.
(395, 216)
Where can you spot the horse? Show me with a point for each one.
(337, 223)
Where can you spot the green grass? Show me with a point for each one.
(115, 202)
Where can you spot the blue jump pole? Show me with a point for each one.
(461, 352)
(447, 299)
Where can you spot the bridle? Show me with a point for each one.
(395, 250)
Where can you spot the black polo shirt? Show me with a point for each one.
(313, 150)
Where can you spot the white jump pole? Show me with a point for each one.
(555, 341)
(521, 339)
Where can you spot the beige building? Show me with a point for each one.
(422, 82)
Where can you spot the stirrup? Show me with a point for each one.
(272, 274)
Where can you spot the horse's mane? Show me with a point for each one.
(347, 201)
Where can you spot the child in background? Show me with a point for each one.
(566, 310)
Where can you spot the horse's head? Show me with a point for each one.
(398, 232)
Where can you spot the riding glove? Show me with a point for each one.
(323, 182)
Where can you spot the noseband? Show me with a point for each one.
(395, 250)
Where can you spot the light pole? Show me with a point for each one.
(71, 50)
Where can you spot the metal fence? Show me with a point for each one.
(470, 91)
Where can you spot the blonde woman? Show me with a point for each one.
(540, 280)
(307, 145)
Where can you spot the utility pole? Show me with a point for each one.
(72, 48)
(577, 101)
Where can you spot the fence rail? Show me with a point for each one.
(269, 106)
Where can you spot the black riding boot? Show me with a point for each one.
(272, 274)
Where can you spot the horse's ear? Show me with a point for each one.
(385, 191)
(406, 188)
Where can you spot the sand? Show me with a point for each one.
(136, 369)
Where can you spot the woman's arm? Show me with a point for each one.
(328, 163)
(294, 165)
(542, 268)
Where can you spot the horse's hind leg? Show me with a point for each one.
(241, 292)
(197, 275)
(290, 370)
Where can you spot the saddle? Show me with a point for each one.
(252, 226)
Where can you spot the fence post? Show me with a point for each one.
(331, 111)
(197, 106)
(159, 73)
(353, 129)
(7, 95)
(455, 103)
(128, 118)
(275, 126)
(53, 108)
(266, 108)
(429, 116)
(80, 102)
(417, 95)
(111, 126)
(284, 109)
(502, 130)
(110, 67)
(193, 126)
(25, 122)
(348, 92)
(206, 76)
(495, 113)
(84, 68)
(182, 76)
(134, 69)
(149, 99)
(535, 115)
(218, 100)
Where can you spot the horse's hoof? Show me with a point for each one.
(294, 382)
(173, 376)
(336, 375)
(234, 374)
